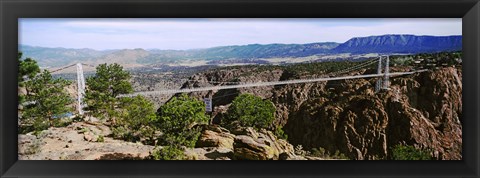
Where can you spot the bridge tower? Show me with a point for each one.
(379, 84)
(386, 77)
(383, 83)
(80, 88)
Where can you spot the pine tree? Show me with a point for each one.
(137, 120)
(176, 119)
(249, 110)
(102, 90)
(47, 100)
(27, 69)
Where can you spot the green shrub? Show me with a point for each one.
(83, 130)
(186, 138)
(63, 122)
(250, 111)
(407, 152)
(299, 151)
(168, 153)
(103, 88)
(39, 124)
(100, 138)
(121, 132)
(137, 112)
(177, 119)
(280, 133)
(338, 155)
(27, 68)
(136, 120)
(322, 153)
(319, 152)
(48, 101)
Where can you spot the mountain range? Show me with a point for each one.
(384, 44)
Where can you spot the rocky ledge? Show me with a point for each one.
(78, 141)
(92, 141)
(243, 143)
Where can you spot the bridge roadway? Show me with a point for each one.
(261, 84)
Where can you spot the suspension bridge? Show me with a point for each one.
(80, 83)
(383, 74)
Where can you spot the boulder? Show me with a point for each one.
(246, 148)
(262, 145)
(215, 136)
(217, 143)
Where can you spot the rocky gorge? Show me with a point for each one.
(423, 110)
(345, 116)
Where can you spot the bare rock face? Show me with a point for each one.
(289, 98)
(355, 129)
(422, 110)
(232, 77)
(432, 112)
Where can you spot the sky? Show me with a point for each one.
(181, 34)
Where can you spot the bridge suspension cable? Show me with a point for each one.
(63, 68)
(260, 84)
(80, 83)
(212, 81)
(346, 70)
(356, 67)
(385, 83)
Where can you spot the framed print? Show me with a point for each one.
(239, 88)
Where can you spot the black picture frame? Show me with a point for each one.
(11, 10)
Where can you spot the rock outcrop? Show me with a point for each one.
(218, 143)
(79, 141)
(232, 77)
(262, 145)
(423, 109)
(215, 136)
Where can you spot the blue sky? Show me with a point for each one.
(183, 34)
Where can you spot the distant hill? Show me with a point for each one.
(385, 44)
(60, 56)
(400, 44)
(127, 57)
(266, 51)
(252, 51)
